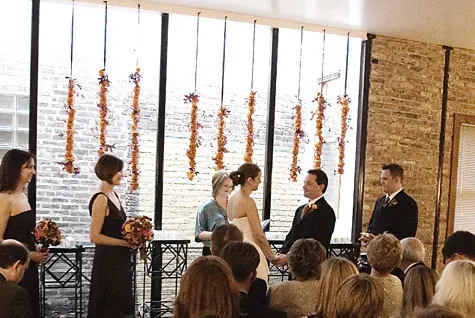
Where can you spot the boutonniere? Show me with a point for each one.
(312, 206)
(393, 202)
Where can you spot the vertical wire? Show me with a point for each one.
(72, 42)
(323, 61)
(300, 63)
(224, 62)
(138, 36)
(197, 46)
(346, 67)
(253, 53)
(105, 34)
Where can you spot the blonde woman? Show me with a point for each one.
(456, 288)
(419, 289)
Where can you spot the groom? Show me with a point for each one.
(315, 219)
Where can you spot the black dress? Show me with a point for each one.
(111, 281)
(21, 227)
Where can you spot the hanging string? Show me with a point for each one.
(72, 41)
(197, 45)
(300, 63)
(105, 34)
(347, 55)
(323, 61)
(138, 35)
(253, 53)
(224, 61)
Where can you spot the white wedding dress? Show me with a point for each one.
(243, 225)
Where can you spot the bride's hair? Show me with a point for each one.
(246, 170)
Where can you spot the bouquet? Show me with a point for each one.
(137, 232)
(47, 233)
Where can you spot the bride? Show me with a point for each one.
(242, 211)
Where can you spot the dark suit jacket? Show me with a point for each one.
(13, 300)
(318, 224)
(258, 291)
(399, 217)
(252, 309)
(401, 274)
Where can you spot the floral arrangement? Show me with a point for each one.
(251, 102)
(344, 102)
(298, 134)
(137, 232)
(104, 84)
(134, 144)
(320, 116)
(68, 163)
(195, 139)
(47, 233)
(218, 159)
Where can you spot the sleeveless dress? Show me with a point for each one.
(111, 281)
(21, 227)
(243, 225)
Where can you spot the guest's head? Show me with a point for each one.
(14, 260)
(207, 288)
(419, 289)
(459, 245)
(305, 258)
(222, 184)
(384, 253)
(248, 175)
(437, 311)
(223, 235)
(359, 296)
(109, 169)
(413, 251)
(315, 184)
(456, 287)
(243, 259)
(16, 170)
(334, 271)
(392, 176)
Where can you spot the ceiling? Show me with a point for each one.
(446, 22)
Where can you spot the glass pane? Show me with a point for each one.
(6, 120)
(23, 103)
(6, 101)
(22, 120)
(6, 138)
(3, 151)
(21, 139)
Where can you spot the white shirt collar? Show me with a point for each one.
(392, 195)
(314, 200)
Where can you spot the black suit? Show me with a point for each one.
(13, 300)
(317, 223)
(252, 309)
(398, 217)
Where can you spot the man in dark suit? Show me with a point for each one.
(314, 219)
(14, 260)
(395, 212)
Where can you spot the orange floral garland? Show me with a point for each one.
(195, 140)
(298, 134)
(320, 116)
(251, 102)
(345, 108)
(104, 83)
(218, 159)
(134, 145)
(68, 163)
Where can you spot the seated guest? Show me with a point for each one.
(14, 260)
(207, 289)
(437, 311)
(334, 271)
(243, 259)
(456, 287)
(384, 254)
(298, 297)
(359, 296)
(459, 245)
(222, 235)
(413, 253)
(419, 288)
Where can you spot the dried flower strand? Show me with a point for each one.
(222, 140)
(68, 163)
(195, 139)
(134, 144)
(251, 103)
(298, 134)
(344, 102)
(319, 113)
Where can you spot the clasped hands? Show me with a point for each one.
(279, 259)
(365, 238)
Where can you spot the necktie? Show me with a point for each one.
(305, 210)
(386, 201)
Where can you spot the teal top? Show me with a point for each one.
(210, 215)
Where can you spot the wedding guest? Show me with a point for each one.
(207, 289)
(384, 254)
(111, 281)
(298, 297)
(14, 261)
(437, 311)
(459, 245)
(242, 211)
(413, 253)
(223, 235)
(212, 213)
(17, 219)
(419, 289)
(456, 287)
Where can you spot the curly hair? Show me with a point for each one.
(305, 258)
(384, 253)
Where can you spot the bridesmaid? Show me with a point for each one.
(17, 220)
(111, 282)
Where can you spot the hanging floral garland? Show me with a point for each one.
(222, 140)
(319, 113)
(344, 103)
(68, 163)
(134, 144)
(195, 139)
(104, 84)
(298, 134)
(251, 102)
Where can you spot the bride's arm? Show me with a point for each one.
(257, 232)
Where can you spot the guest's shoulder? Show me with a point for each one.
(11, 289)
(403, 195)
